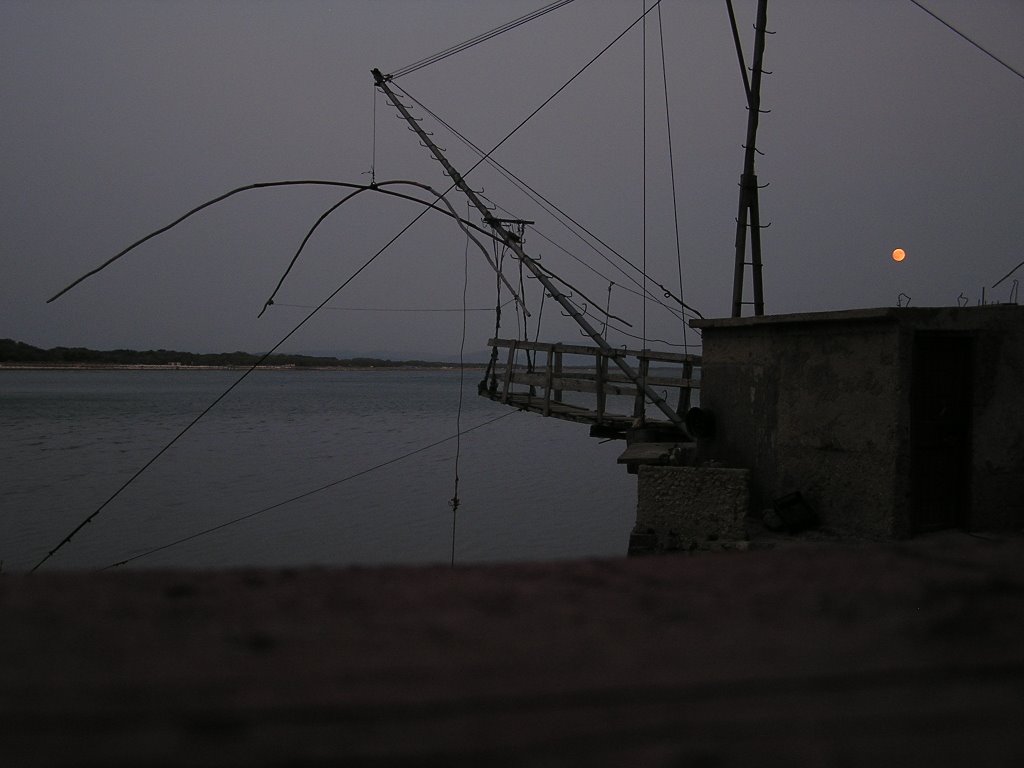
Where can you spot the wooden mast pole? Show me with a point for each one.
(512, 241)
(748, 216)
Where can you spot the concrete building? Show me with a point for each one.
(887, 422)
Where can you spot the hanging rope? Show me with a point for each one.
(373, 141)
(481, 38)
(672, 172)
(607, 309)
(454, 501)
(643, 227)
(489, 382)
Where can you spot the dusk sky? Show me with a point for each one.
(886, 130)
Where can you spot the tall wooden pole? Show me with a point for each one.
(748, 216)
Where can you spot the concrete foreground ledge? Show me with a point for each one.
(905, 654)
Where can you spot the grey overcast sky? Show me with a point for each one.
(886, 129)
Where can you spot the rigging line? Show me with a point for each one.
(536, 196)
(463, 225)
(246, 188)
(392, 309)
(643, 163)
(626, 288)
(552, 97)
(480, 38)
(638, 338)
(306, 494)
(526, 328)
(373, 143)
(969, 40)
(225, 393)
(492, 361)
(454, 502)
(672, 167)
(672, 310)
(997, 282)
(572, 288)
(555, 212)
(540, 315)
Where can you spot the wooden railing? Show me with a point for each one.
(544, 378)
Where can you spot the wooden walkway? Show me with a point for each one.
(576, 383)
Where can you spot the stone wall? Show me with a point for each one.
(690, 508)
(809, 409)
(820, 403)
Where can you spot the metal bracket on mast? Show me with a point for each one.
(512, 241)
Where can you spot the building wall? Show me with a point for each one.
(820, 403)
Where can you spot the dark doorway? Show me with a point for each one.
(940, 431)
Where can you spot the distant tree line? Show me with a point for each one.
(18, 352)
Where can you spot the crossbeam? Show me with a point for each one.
(546, 386)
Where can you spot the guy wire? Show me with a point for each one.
(481, 38)
(672, 172)
(987, 52)
(306, 494)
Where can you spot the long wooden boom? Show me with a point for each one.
(512, 241)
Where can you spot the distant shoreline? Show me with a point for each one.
(183, 367)
(17, 355)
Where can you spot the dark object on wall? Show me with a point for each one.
(790, 513)
(700, 422)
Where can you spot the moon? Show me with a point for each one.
(899, 254)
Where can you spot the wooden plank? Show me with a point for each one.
(569, 412)
(586, 382)
(548, 384)
(651, 453)
(590, 351)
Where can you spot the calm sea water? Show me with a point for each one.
(530, 488)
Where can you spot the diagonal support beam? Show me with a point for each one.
(512, 241)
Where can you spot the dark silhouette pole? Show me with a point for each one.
(749, 216)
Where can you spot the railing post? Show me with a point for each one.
(639, 403)
(508, 371)
(685, 389)
(549, 379)
(558, 373)
(599, 377)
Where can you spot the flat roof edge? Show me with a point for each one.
(878, 314)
